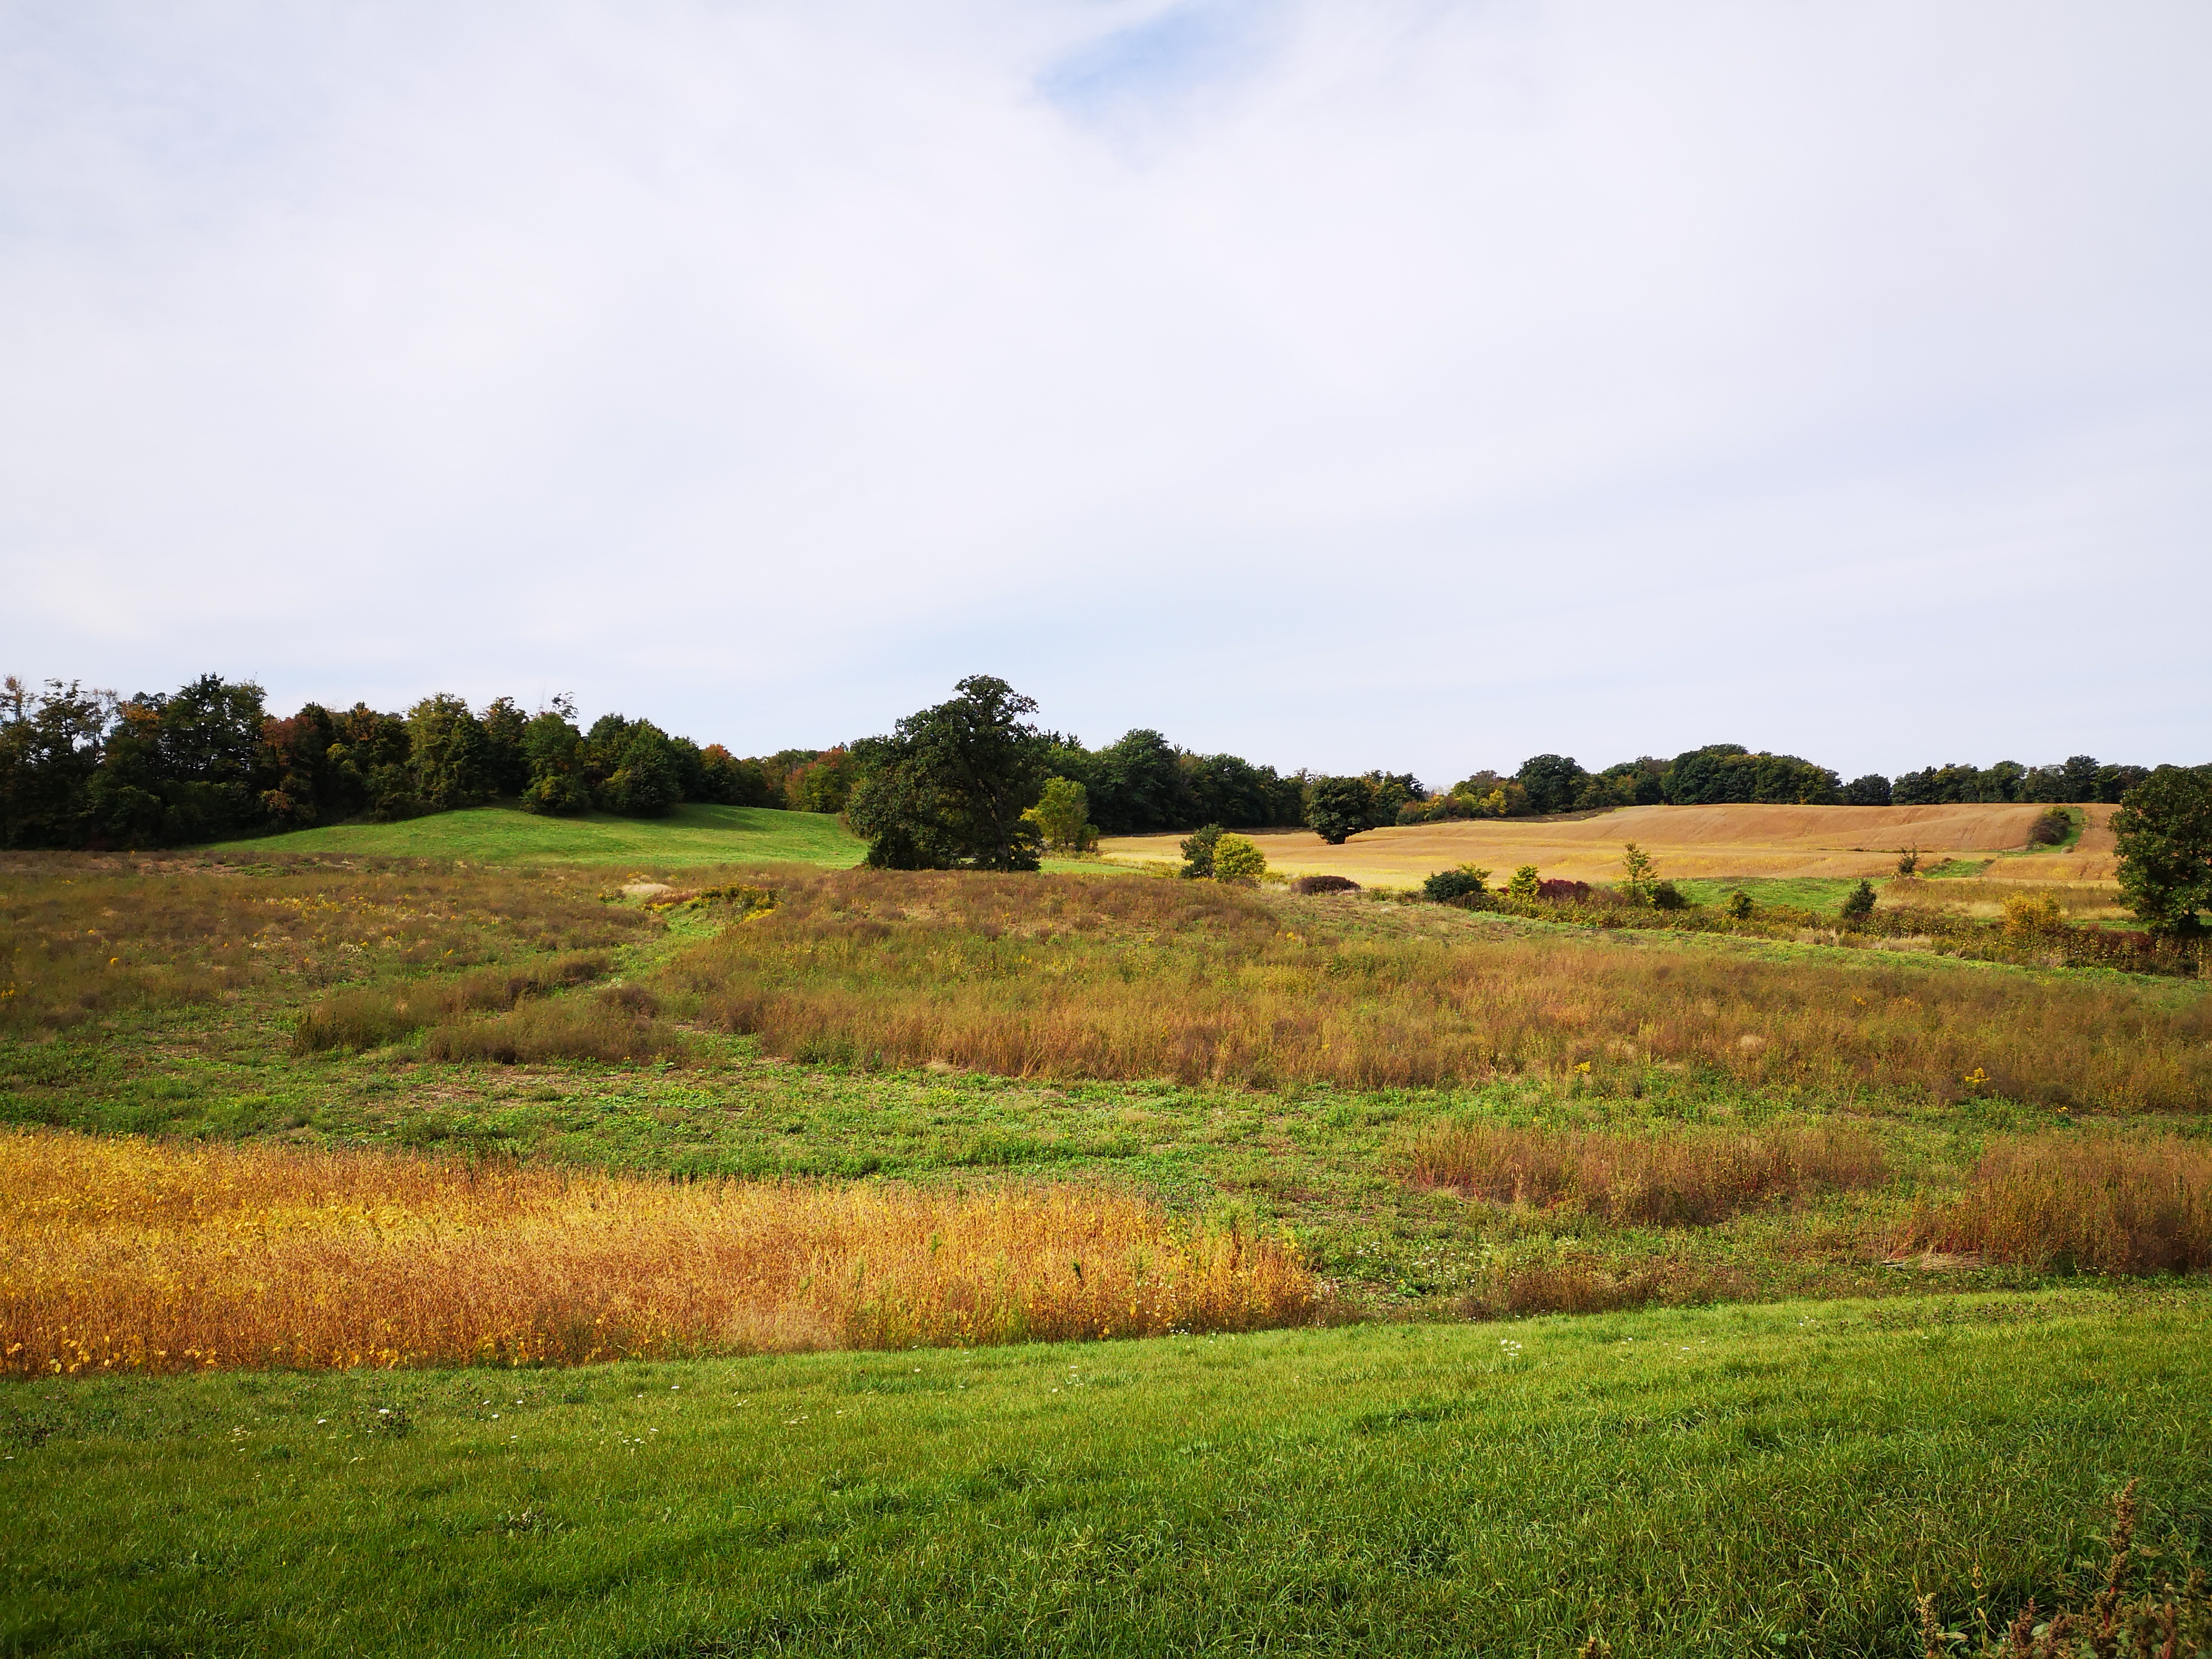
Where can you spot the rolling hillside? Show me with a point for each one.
(1845, 841)
(689, 836)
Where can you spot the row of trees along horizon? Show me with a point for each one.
(88, 768)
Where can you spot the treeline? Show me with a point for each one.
(207, 762)
(87, 768)
(1728, 773)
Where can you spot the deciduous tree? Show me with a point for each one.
(2164, 827)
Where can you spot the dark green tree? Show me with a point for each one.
(1338, 809)
(948, 788)
(2164, 827)
(50, 755)
(553, 752)
(186, 767)
(1728, 772)
(1137, 786)
(507, 769)
(1553, 782)
(644, 783)
(729, 781)
(449, 754)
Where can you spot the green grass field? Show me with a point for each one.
(689, 836)
(1821, 893)
(1776, 1479)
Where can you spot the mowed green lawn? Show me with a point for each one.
(689, 836)
(1772, 1479)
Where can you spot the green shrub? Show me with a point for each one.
(1667, 896)
(2052, 830)
(1739, 906)
(1462, 881)
(1525, 886)
(1197, 850)
(1638, 872)
(2033, 913)
(1235, 859)
(1858, 903)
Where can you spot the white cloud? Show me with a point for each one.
(1403, 384)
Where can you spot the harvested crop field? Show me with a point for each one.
(1686, 842)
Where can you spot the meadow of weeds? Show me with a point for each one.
(1685, 1119)
(406, 1119)
(124, 1254)
(83, 937)
(1088, 978)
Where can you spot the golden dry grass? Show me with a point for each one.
(1071, 977)
(124, 1255)
(1985, 898)
(2093, 858)
(2111, 1203)
(1686, 840)
(1670, 1178)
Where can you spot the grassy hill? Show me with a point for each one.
(689, 836)
(1768, 1480)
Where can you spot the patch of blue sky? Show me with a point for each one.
(1156, 65)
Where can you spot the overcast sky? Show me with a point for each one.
(1381, 383)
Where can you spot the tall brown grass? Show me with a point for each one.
(2107, 1202)
(1684, 1177)
(1118, 977)
(366, 1016)
(124, 1255)
(615, 1027)
(83, 936)
(1576, 1284)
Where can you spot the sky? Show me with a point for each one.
(1389, 384)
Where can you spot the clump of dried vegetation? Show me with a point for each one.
(1580, 1284)
(122, 1255)
(366, 1016)
(615, 1026)
(1085, 976)
(2106, 1202)
(1672, 1177)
